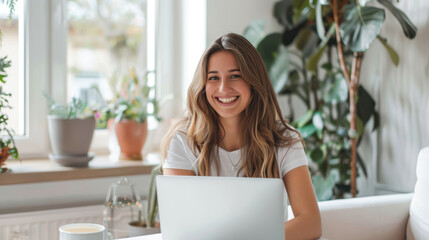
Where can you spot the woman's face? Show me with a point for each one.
(226, 90)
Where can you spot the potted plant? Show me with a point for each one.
(338, 107)
(132, 98)
(71, 128)
(150, 226)
(7, 143)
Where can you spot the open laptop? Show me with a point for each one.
(214, 208)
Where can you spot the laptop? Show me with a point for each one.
(214, 208)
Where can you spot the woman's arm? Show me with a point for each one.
(307, 223)
(171, 171)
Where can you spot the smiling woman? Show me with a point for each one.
(235, 128)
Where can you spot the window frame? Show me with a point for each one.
(44, 37)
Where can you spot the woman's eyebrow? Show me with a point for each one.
(232, 70)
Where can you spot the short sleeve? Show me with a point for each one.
(179, 155)
(291, 157)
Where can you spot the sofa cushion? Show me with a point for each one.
(419, 209)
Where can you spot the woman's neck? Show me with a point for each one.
(232, 138)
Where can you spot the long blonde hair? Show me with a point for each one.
(263, 128)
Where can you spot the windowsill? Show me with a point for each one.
(44, 170)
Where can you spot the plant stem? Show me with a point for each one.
(357, 60)
(353, 84)
(315, 88)
(307, 83)
(339, 44)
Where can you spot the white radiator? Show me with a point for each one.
(43, 225)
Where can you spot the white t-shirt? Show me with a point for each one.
(181, 156)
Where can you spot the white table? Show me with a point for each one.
(147, 237)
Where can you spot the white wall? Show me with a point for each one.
(402, 97)
(60, 194)
(224, 16)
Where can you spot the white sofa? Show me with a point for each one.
(399, 216)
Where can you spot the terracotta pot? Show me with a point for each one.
(4, 155)
(131, 138)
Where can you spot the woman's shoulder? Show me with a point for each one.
(179, 135)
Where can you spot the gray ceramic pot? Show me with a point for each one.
(71, 137)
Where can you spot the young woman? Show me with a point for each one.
(234, 127)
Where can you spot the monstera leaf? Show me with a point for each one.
(335, 90)
(283, 12)
(255, 32)
(361, 26)
(269, 47)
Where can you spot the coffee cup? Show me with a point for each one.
(82, 231)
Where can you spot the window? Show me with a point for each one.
(72, 52)
(11, 41)
(104, 38)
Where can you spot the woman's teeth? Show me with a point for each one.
(227, 100)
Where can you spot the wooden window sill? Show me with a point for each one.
(44, 170)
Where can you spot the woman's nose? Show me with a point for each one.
(224, 85)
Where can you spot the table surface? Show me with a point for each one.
(147, 237)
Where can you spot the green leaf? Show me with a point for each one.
(319, 22)
(254, 32)
(365, 105)
(361, 164)
(304, 119)
(318, 121)
(376, 120)
(306, 41)
(283, 12)
(318, 154)
(336, 91)
(323, 186)
(410, 30)
(300, 9)
(311, 64)
(279, 70)
(307, 131)
(269, 47)
(392, 53)
(361, 26)
(291, 84)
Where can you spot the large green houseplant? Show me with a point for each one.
(292, 59)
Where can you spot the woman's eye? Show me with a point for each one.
(235, 76)
(213, 78)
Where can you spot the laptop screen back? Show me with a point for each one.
(227, 208)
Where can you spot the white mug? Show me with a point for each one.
(82, 231)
